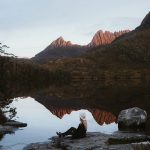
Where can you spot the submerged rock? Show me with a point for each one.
(132, 118)
(6, 129)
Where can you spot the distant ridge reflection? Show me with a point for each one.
(100, 116)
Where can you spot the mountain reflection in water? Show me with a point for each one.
(100, 116)
(43, 124)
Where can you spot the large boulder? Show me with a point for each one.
(132, 118)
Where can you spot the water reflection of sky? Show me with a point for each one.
(42, 124)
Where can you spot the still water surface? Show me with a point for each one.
(43, 124)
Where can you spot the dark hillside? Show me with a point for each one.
(18, 73)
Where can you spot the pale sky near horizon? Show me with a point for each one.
(28, 26)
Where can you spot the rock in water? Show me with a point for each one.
(132, 118)
(15, 123)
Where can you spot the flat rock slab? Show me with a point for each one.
(15, 123)
(41, 146)
(93, 141)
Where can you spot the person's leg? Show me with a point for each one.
(69, 132)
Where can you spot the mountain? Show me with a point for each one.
(131, 50)
(127, 57)
(60, 48)
(103, 38)
(107, 50)
(145, 23)
(60, 42)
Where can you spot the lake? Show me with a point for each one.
(57, 108)
(43, 124)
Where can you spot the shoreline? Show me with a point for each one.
(93, 141)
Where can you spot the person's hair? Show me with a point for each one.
(83, 119)
(82, 116)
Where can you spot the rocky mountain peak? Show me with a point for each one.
(60, 42)
(146, 22)
(60, 48)
(106, 37)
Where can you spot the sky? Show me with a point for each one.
(28, 26)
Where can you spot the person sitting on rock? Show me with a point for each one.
(80, 132)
